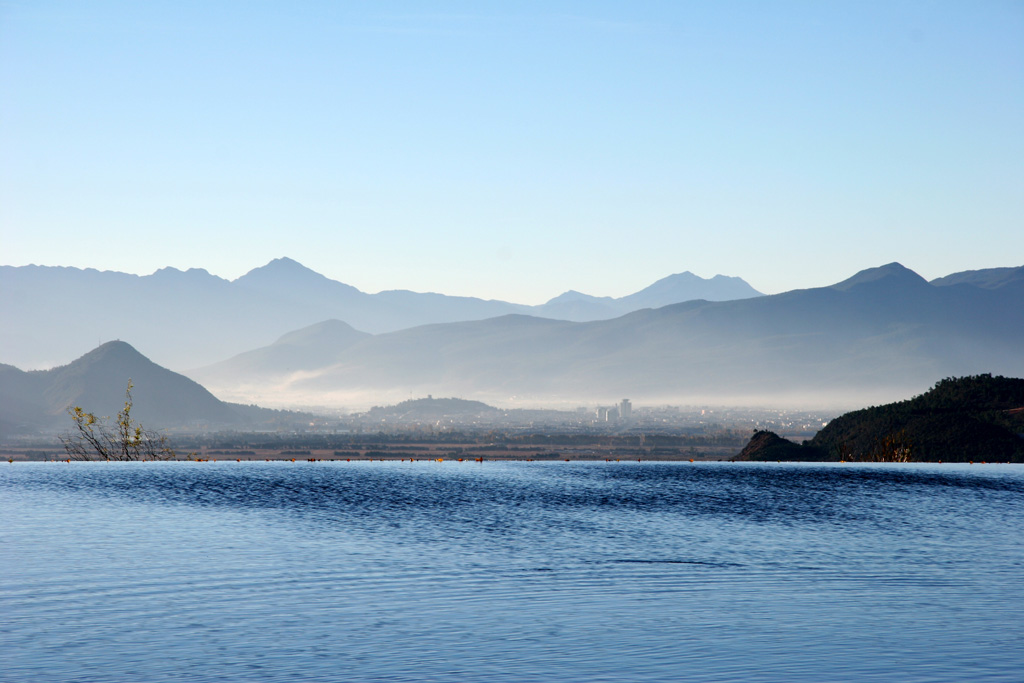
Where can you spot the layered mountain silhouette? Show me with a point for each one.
(878, 335)
(38, 400)
(190, 318)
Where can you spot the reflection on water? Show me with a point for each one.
(510, 572)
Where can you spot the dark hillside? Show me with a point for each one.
(765, 445)
(97, 382)
(38, 401)
(959, 420)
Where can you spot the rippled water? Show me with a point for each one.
(510, 572)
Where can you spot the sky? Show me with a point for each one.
(514, 150)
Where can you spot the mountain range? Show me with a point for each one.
(877, 335)
(882, 333)
(185, 319)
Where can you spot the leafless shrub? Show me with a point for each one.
(97, 439)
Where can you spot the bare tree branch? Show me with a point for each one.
(95, 439)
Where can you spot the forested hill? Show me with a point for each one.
(979, 418)
(431, 409)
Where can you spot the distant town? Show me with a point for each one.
(432, 428)
(618, 419)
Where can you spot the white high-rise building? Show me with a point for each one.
(625, 409)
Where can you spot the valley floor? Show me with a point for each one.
(423, 451)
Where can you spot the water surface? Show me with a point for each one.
(510, 572)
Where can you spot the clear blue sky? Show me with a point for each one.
(514, 150)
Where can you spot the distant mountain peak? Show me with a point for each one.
(283, 273)
(572, 295)
(113, 349)
(687, 286)
(674, 280)
(283, 266)
(111, 354)
(332, 330)
(894, 273)
(285, 262)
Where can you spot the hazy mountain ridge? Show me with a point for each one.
(579, 307)
(990, 278)
(190, 318)
(883, 332)
(306, 349)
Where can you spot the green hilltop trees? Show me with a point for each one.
(960, 419)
